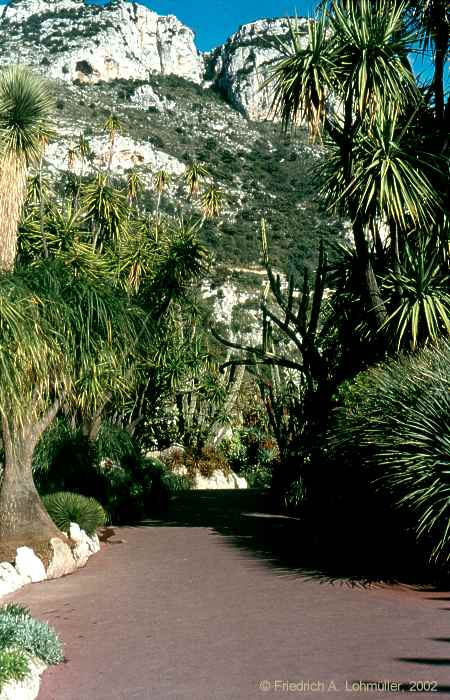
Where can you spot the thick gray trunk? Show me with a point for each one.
(23, 518)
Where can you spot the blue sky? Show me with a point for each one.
(214, 20)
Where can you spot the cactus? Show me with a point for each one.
(298, 405)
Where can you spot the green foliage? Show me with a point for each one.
(419, 294)
(14, 666)
(394, 423)
(25, 110)
(110, 470)
(18, 630)
(65, 508)
(252, 454)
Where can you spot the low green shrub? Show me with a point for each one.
(14, 666)
(137, 488)
(65, 507)
(252, 454)
(394, 424)
(19, 631)
(111, 470)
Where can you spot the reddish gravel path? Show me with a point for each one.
(188, 609)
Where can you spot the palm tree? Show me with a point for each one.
(193, 175)
(135, 185)
(113, 126)
(72, 155)
(160, 181)
(25, 110)
(211, 202)
(105, 208)
(377, 172)
(65, 339)
(83, 151)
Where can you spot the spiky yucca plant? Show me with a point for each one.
(25, 109)
(398, 424)
(65, 507)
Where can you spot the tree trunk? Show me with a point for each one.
(12, 197)
(377, 308)
(41, 213)
(23, 518)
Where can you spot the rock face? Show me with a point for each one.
(240, 67)
(219, 481)
(71, 40)
(127, 153)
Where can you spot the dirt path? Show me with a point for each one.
(198, 607)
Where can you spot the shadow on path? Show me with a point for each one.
(245, 520)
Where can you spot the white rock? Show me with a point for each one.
(81, 552)
(28, 564)
(63, 561)
(92, 42)
(10, 579)
(241, 483)
(127, 153)
(241, 66)
(27, 689)
(144, 97)
(75, 532)
(218, 481)
(93, 543)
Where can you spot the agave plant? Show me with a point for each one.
(65, 507)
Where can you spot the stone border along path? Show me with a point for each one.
(191, 608)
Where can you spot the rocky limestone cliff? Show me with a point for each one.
(240, 67)
(72, 40)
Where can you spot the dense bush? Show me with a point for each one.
(65, 507)
(204, 461)
(394, 424)
(18, 630)
(252, 454)
(111, 470)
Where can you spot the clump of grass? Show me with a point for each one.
(21, 634)
(65, 507)
(14, 666)
(395, 424)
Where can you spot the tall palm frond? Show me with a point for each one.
(193, 175)
(25, 109)
(302, 80)
(211, 202)
(419, 295)
(105, 207)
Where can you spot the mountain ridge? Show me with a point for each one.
(73, 40)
